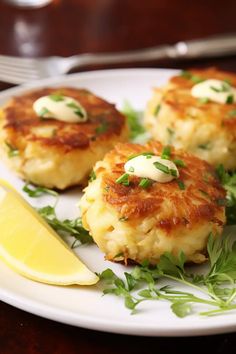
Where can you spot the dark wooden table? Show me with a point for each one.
(76, 26)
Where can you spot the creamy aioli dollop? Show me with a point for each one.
(62, 108)
(144, 166)
(215, 90)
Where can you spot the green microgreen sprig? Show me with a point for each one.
(66, 227)
(228, 180)
(37, 191)
(217, 285)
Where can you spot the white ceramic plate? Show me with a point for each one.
(85, 306)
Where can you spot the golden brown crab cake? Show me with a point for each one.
(54, 153)
(136, 223)
(205, 128)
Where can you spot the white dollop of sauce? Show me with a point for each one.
(215, 90)
(144, 166)
(62, 108)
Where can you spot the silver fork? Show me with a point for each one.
(20, 70)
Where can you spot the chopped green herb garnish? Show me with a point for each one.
(35, 192)
(166, 153)
(145, 183)
(157, 110)
(203, 100)
(43, 111)
(230, 99)
(224, 88)
(102, 128)
(77, 109)
(179, 163)
(181, 184)
(173, 172)
(228, 81)
(124, 179)
(162, 167)
(186, 74)
(57, 98)
(12, 151)
(194, 78)
(205, 146)
(92, 176)
(146, 153)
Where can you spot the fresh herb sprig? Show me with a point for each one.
(228, 180)
(35, 192)
(217, 285)
(66, 227)
(133, 120)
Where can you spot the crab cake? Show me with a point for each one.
(131, 219)
(55, 152)
(203, 123)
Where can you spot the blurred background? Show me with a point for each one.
(67, 27)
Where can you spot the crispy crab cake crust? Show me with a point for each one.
(53, 153)
(207, 130)
(132, 223)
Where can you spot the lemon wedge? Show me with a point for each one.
(32, 248)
